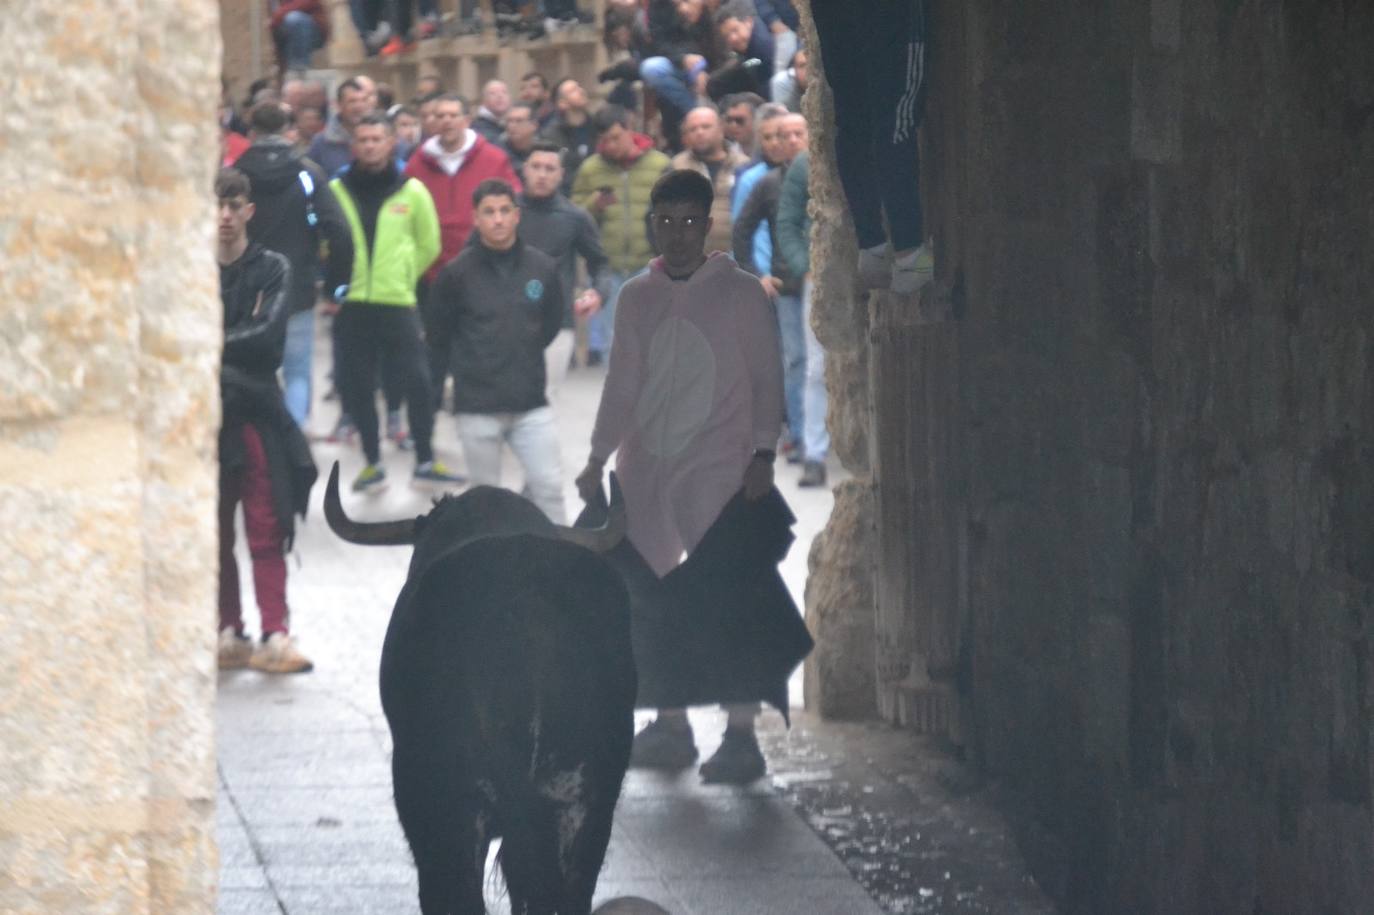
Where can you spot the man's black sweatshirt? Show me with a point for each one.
(498, 310)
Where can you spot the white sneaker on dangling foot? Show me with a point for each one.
(875, 266)
(913, 270)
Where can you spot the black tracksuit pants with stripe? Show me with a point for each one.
(873, 52)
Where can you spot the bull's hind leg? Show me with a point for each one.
(448, 839)
(587, 835)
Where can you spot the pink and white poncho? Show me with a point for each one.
(694, 387)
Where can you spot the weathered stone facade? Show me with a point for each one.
(1123, 503)
(109, 343)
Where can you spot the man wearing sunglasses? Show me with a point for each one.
(692, 408)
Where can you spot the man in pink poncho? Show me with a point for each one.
(693, 407)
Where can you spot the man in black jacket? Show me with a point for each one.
(499, 304)
(264, 459)
(294, 211)
(552, 223)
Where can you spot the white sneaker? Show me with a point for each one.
(875, 266)
(912, 271)
(278, 655)
(234, 649)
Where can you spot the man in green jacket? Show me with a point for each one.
(395, 238)
(613, 185)
(794, 240)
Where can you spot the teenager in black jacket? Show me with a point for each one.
(265, 461)
(498, 305)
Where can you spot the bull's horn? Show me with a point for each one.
(608, 536)
(383, 533)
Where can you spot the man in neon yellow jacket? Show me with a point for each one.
(395, 239)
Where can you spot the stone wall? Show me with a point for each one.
(839, 679)
(109, 343)
(1124, 500)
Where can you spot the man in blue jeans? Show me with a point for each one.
(294, 212)
(299, 28)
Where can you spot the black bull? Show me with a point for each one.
(508, 682)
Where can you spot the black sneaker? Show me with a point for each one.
(664, 744)
(813, 474)
(739, 760)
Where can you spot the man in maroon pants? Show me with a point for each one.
(264, 460)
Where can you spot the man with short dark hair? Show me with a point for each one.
(294, 211)
(499, 304)
(522, 131)
(572, 129)
(331, 149)
(614, 186)
(396, 238)
(264, 460)
(752, 51)
(534, 91)
(739, 109)
(691, 408)
(563, 231)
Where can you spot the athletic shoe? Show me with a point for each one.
(739, 760)
(913, 270)
(436, 472)
(813, 474)
(374, 40)
(664, 744)
(875, 266)
(279, 655)
(397, 45)
(369, 479)
(235, 649)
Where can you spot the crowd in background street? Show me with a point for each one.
(455, 246)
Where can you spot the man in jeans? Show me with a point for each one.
(499, 304)
(299, 28)
(395, 238)
(294, 210)
(614, 185)
(782, 284)
(264, 460)
(794, 241)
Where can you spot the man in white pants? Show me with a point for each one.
(499, 304)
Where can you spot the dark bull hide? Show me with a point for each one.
(508, 683)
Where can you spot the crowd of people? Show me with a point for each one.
(455, 245)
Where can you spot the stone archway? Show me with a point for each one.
(109, 402)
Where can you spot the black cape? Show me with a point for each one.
(722, 626)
